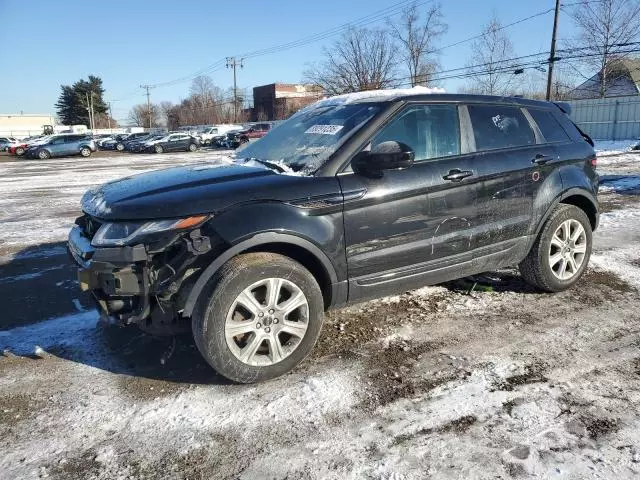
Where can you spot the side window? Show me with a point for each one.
(497, 126)
(431, 131)
(58, 141)
(548, 125)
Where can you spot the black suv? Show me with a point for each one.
(354, 197)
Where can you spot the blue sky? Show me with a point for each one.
(129, 43)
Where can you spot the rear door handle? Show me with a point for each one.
(541, 159)
(457, 175)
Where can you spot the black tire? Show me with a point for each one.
(20, 151)
(158, 149)
(85, 152)
(119, 147)
(43, 154)
(192, 147)
(218, 297)
(536, 269)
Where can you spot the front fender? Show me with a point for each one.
(251, 225)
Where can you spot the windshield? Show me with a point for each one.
(305, 141)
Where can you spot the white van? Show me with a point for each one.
(207, 134)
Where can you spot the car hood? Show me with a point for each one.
(198, 189)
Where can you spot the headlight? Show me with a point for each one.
(124, 233)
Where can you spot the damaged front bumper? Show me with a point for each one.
(118, 277)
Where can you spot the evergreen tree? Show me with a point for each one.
(74, 100)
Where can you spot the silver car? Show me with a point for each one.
(63, 145)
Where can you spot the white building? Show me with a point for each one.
(24, 125)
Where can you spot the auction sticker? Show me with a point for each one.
(324, 129)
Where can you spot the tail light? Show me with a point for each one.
(593, 161)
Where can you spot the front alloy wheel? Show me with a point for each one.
(258, 317)
(43, 155)
(85, 152)
(267, 322)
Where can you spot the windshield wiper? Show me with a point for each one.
(268, 164)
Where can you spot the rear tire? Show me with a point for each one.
(85, 152)
(273, 335)
(159, 149)
(119, 147)
(561, 252)
(192, 147)
(19, 151)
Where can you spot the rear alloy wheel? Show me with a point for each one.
(85, 151)
(119, 147)
(258, 318)
(159, 149)
(43, 154)
(193, 147)
(19, 151)
(561, 252)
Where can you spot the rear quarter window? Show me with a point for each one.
(498, 126)
(549, 126)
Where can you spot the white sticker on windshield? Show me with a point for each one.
(324, 129)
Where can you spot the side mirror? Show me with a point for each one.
(385, 156)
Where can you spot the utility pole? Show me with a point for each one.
(147, 87)
(93, 118)
(552, 53)
(232, 62)
(110, 116)
(88, 107)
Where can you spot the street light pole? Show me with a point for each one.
(552, 53)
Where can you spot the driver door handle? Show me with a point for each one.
(457, 175)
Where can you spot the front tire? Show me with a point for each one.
(119, 147)
(85, 152)
(258, 318)
(561, 252)
(19, 151)
(159, 149)
(43, 154)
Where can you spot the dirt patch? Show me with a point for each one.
(391, 373)
(18, 407)
(457, 426)
(533, 373)
(349, 329)
(598, 427)
(610, 280)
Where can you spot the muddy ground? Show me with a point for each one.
(479, 378)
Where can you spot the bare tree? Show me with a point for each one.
(165, 110)
(139, 115)
(417, 34)
(362, 59)
(490, 63)
(604, 29)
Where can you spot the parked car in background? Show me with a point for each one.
(20, 148)
(234, 139)
(6, 142)
(208, 134)
(257, 130)
(172, 142)
(116, 140)
(139, 145)
(392, 192)
(63, 145)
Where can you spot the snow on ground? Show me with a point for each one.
(444, 382)
(55, 187)
(614, 147)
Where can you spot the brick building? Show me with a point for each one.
(278, 101)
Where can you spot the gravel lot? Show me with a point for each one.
(480, 378)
